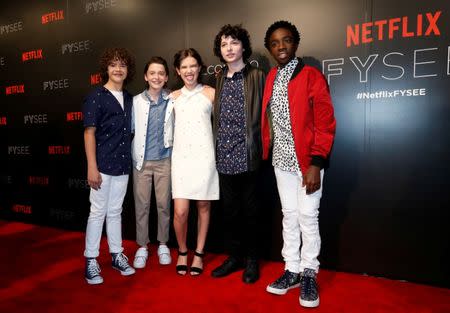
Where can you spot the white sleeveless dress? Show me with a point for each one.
(194, 174)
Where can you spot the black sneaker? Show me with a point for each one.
(286, 281)
(309, 294)
(230, 265)
(92, 272)
(120, 263)
(251, 272)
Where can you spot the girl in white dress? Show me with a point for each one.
(194, 174)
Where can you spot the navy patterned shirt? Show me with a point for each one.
(113, 130)
(231, 146)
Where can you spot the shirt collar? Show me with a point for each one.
(290, 64)
(225, 72)
(164, 95)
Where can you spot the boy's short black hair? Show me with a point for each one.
(109, 55)
(157, 60)
(281, 24)
(236, 32)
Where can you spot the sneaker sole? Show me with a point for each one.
(94, 281)
(309, 304)
(280, 292)
(138, 265)
(125, 273)
(165, 263)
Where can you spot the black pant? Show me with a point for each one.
(239, 195)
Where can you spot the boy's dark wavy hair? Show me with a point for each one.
(236, 32)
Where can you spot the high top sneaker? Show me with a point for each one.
(284, 283)
(92, 272)
(120, 263)
(309, 293)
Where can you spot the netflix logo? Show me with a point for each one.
(16, 89)
(3, 121)
(32, 55)
(74, 116)
(96, 79)
(22, 208)
(52, 17)
(38, 180)
(58, 149)
(35, 119)
(11, 28)
(425, 25)
(19, 150)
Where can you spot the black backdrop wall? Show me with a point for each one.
(385, 205)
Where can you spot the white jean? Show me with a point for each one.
(106, 202)
(300, 221)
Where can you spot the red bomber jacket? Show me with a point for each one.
(311, 112)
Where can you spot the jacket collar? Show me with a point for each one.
(298, 68)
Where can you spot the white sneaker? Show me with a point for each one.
(140, 259)
(164, 255)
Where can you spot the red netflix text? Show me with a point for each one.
(32, 55)
(3, 120)
(21, 208)
(58, 149)
(96, 79)
(38, 180)
(11, 90)
(423, 25)
(74, 116)
(53, 17)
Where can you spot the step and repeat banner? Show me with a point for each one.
(384, 211)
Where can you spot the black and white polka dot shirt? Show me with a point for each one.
(284, 156)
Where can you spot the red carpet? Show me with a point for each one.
(42, 271)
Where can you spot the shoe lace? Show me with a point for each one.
(308, 286)
(284, 278)
(93, 268)
(122, 260)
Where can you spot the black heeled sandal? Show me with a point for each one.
(182, 267)
(195, 271)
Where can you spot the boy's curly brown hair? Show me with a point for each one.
(111, 54)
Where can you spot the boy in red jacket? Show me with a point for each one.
(301, 132)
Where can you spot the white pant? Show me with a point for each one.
(106, 202)
(300, 221)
